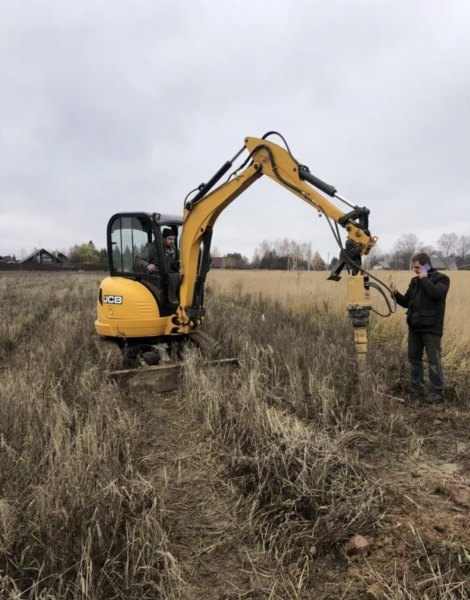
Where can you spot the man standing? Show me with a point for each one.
(425, 300)
(147, 260)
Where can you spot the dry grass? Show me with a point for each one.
(288, 442)
(77, 520)
(304, 291)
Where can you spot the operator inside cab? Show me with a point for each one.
(147, 259)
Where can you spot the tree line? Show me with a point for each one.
(286, 254)
(452, 249)
(88, 254)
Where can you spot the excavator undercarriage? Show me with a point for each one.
(141, 365)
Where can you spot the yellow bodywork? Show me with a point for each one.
(135, 315)
(360, 342)
(205, 213)
(358, 298)
(357, 293)
(138, 315)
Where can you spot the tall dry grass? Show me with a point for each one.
(77, 518)
(295, 428)
(304, 291)
(293, 433)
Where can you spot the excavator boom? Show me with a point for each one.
(201, 213)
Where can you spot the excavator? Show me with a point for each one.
(145, 318)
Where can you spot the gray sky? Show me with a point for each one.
(113, 105)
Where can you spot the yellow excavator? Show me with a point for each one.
(145, 317)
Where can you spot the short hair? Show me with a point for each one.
(422, 258)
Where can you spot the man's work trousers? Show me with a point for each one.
(417, 342)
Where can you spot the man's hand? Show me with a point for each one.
(393, 288)
(422, 273)
(151, 268)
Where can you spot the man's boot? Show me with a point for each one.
(434, 398)
(416, 393)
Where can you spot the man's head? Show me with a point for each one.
(168, 237)
(419, 260)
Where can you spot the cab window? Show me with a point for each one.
(129, 236)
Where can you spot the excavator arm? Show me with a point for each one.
(267, 158)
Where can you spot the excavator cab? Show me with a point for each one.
(138, 339)
(128, 235)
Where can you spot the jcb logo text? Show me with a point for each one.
(112, 300)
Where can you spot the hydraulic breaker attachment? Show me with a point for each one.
(359, 306)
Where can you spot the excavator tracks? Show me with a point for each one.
(210, 348)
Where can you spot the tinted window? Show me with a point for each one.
(129, 235)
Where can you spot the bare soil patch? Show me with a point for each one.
(198, 508)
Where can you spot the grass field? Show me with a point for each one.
(303, 291)
(241, 485)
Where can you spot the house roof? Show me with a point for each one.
(218, 261)
(384, 264)
(39, 251)
(439, 263)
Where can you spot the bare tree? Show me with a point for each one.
(306, 249)
(374, 256)
(463, 250)
(447, 245)
(284, 247)
(256, 258)
(318, 262)
(404, 248)
(429, 250)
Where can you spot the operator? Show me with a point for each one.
(425, 300)
(147, 260)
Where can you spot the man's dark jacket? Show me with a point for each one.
(425, 300)
(149, 254)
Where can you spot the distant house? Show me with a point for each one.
(439, 263)
(218, 262)
(382, 265)
(8, 259)
(41, 257)
(62, 257)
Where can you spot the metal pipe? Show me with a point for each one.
(238, 154)
(326, 188)
(360, 342)
(206, 187)
(344, 200)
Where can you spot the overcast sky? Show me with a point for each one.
(113, 105)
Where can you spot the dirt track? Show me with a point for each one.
(426, 515)
(199, 508)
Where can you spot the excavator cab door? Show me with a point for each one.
(130, 237)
